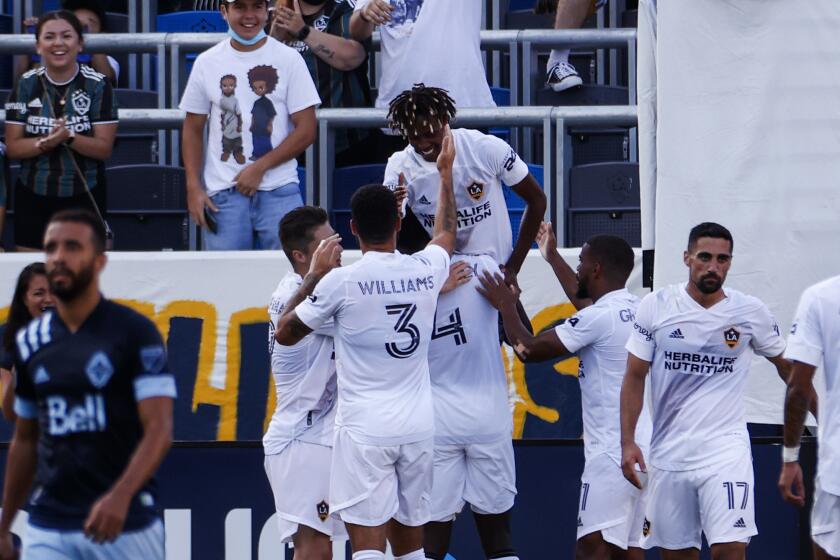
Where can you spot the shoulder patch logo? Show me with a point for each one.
(99, 369)
(153, 358)
(510, 161)
(81, 102)
(475, 190)
(41, 375)
(731, 336)
(323, 509)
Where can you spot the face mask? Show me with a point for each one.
(316, 2)
(248, 42)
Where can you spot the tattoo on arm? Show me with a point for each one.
(796, 406)
(323, 50)
(449, 217)
(306, 288)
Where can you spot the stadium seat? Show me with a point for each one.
(345, 182)
(603, 198)
(147, 207)
(198, 21)
(526, 19)
(135, 147)
(501, 96)
(515, 205)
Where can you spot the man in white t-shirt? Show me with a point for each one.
(610, 509)
(697, 340)
(483, 162)
(437, 42)
(383, 307)
(249, 174)
(473, 424)
(298, 442)
(814, 340)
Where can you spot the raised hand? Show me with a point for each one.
(446, 158)
(546, 241)
(327, 256)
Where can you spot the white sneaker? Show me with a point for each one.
(562, 76)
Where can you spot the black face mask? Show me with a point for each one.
(316, 2)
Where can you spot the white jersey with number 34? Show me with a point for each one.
(700, 359)
(383, 306)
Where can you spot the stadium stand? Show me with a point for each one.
(604, 198)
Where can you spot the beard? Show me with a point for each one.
(709, 283)
(73, 285)
(582, 291)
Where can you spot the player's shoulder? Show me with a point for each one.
(743, 303)
(33, 74)
(127, 319)
(430, 256)
(285, 289)
(399, 160)
(828, 289)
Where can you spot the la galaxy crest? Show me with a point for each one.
(475, 190)
(646, 527)
(731, 336)
(323, 510)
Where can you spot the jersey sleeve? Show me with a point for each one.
(436, 258)
(16, 104)
(278, 305)
(152, 377)
(195, 99)
(104, 105)
(319, 309)
(301, 93)
(805, 341)
(641, 342)
(503, 160)
(583, 328)
(26, 405)
(767, 340)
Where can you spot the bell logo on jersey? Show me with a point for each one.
(87, 416)
(475, 190)
(99, 369)
(731, 337)
(323, 510)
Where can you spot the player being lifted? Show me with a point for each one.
(421, 115)
(383, 309)
(697, 340)
(299, 439)
(814, 339)
(610, 509)
(94, 404)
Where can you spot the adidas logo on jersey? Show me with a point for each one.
(423, 200)
(676, 334)
(35, 103)
(740, 524)
(41, 376)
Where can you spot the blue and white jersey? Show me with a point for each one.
(83, 387)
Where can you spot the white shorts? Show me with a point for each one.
(370, 484)
(483, 474)
(300, 481)
(717, 500)
(52, 544)
(825, 520)
(610, 504)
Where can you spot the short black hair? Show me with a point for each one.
(297, 226)
(420, 110)
(94, 6)
(67, 16)
(373, 209)
(614, 254)
(88, 218)
(709, 229)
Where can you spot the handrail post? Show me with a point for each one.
(325, 164)
(513, 68)
(310, 175)
(547, 163)
(161, 94)
(632, 97)
(175, 61)
(560, 194)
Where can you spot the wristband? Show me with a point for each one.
(304, 33)
(790, 454)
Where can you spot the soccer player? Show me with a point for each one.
(298, 442)
(697, 339)
(814, 339)
(422, 115)
(610, 509)
(94, 404)
(473, 452)
(383, 307)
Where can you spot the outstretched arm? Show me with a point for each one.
(535, 204)
(446, 217)
(547, 242)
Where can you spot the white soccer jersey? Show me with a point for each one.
(700, 359)
(384, 309)
(598, 335)
(815, 339)
(304, 378)
(469, 385)
(482, 163)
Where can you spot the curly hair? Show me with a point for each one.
(420, 110)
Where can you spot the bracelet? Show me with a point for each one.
(304, 33)
(790, 454)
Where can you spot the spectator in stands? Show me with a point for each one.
(570, 14)
(276, 99)
(320, 31)
(92, 15)
(30, 300)
(436, 42)
(61, 120)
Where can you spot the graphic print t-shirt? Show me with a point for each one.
(272, 83)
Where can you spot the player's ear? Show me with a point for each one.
(353, 229)
(298, 256)
(686, 257)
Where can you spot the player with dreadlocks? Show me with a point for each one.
(473, 453)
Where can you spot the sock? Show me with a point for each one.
(368, 555)
(558, 55)
(416, 555)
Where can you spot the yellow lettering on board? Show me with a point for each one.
(525, 404)
(249, 316)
